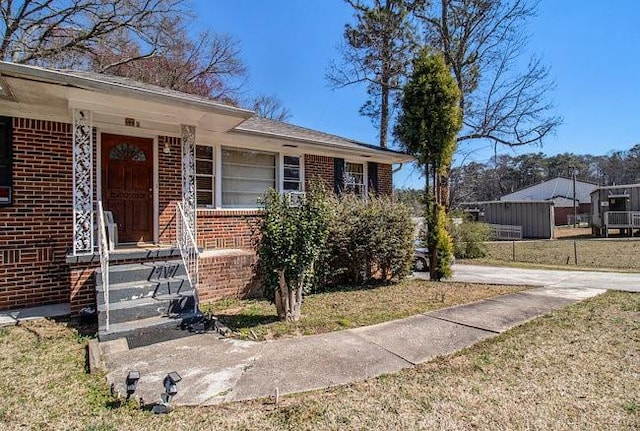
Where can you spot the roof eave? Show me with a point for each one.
(396, 156)
(87, 83)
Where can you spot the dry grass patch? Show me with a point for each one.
(570, 232)
(576, 369)
(619, 254)
(350, 308)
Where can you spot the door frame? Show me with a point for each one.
(155, 181)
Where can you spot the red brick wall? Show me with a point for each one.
(170, 187)
(230, 274)
(226, 228)
(36, 231)
(82, 286)
(561, 213)
(320, 168)
(385, 179)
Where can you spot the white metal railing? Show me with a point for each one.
(614, 219)
(188, 247)
(103, 249)
(502, 231)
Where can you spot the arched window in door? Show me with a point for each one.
(126, 151)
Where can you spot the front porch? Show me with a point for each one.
(624, 221)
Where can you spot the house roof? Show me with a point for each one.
(550, 189)
(617, 187)
(549, 202)
(125, 86)
(252, 125)
(266, 127)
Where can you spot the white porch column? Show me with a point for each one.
(83, 222)
(189, 176)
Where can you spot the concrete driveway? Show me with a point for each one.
(628, 282)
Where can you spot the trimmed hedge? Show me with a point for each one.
(369, 241)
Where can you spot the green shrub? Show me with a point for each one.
(444, 245)
(469, 239)
(291, 240)
(368, 240)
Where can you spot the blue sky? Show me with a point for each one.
(591, 46)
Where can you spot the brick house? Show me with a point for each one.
(171, 169)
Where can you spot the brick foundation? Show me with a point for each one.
(82, 286)
(225, 274)
(223, 229)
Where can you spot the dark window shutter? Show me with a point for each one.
(338, 175)
(372, 174)
(6, 161)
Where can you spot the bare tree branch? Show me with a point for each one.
(483, 44)
(270, 107)
(145, 40)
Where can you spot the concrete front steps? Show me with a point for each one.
(148, 299)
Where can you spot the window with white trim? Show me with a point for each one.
(291, 176)
(354, 181)
(205, 176)
(246, 176)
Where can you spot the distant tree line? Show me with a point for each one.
(477, 181)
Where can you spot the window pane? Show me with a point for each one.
(354, 168)
(204, 198)
(237, 200)
(204, 183)
(251, 158)
(292, 160)
(354, 178)
(205, 180)
(204, 167)
(246, 176)
(291, 173)
(291, 186)
(257, 172)
(204, 152)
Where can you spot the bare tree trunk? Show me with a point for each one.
(297, 305)
(433, 256)
(292, 304)
(384, 116)
(282, 296)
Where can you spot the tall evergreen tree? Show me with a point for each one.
(427, 127)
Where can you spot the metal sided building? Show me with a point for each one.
(535, 217)
(616, 207)
(560, 190)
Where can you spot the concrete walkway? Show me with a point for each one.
(216, 370)
(12, 317)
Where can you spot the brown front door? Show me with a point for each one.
(127, 185)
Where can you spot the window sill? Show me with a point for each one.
(229, 211)
(225, 252)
